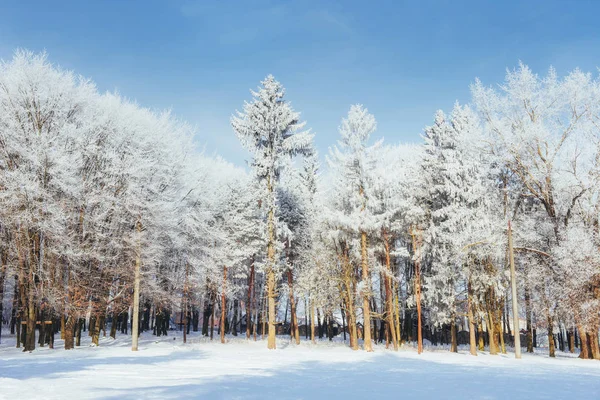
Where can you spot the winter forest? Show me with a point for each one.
(484, 236)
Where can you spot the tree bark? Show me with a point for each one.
(271, 293)
(417, 250)
(366, 292)
(223, 304)
(584, 354)
(472, 343)
(312, 321)
(454, 343)
(136, 292)
(250, 302)
(514, 297)
(69, 327)
(294, 331)
(528, 319)
(389, 298)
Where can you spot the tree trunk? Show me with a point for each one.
(454, 343)
(234, 321)
(366, 292)
(397, 314)
(294, 331)
(472, 341)
(78, 327)
(69, 326)
(481, 341)
(312, 321)
(250, 303)
(514, 297)
(571, 339)
(271, 294)
(491, 337)
(3, 261)
(551, 347)
(343, 321)
(593, 342)
(223, 304)
(184, 310)
(528, 319)
(416, 240)
(319, 326)
(389, 298)
(136, 292)
(584, 354)
(212, 319)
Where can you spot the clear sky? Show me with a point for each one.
(401, 59)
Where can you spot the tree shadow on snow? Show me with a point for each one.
(384, 375)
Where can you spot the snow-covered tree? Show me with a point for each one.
(271, 130)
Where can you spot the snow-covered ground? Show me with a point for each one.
(167, 369)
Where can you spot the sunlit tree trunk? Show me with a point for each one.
(366, 292)
(271, 293)
(593, 343)
(416, 240)
(389, 298)
(397, 313)
(69, 331)
(472, 342)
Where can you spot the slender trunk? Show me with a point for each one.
(343, 321)
(78, 326)
(528, 319)
(113, 326)
(136, 292)
(305, 318)
(69, 326)
(212, 318)
(234, 322)
(31, 309)
(515, 308)
(389, 298)
(397, 313)
(481, 341)
(223, 303)
(417, 249)
(366, 295)
(472, 343)
(249, 303)
(271, 293)
(3, 261)
(454, 344)
(185, 302)
(312, 321)
(319, 326)
(571, 334)
(491, 336)
(551, 347)
(294, 331)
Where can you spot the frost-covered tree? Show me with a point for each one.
(271, 130)
(545, 132)
(352, 162)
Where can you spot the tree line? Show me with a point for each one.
(111, 219)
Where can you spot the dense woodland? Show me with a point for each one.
(113, 223)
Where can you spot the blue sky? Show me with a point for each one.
(401, 59)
